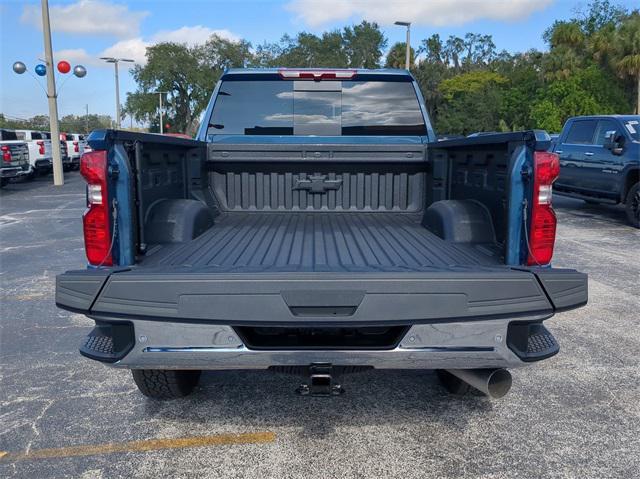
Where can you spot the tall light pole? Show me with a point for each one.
(58, 175)
(160, 93)
(408, 57)
(115, 62)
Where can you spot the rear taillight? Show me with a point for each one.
(6, 153)
(542, 233)
(76, 148)
(316, 74)
(97, 230)
(41, 147)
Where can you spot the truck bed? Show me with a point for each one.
(317, 242)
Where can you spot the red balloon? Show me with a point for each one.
(64, 66)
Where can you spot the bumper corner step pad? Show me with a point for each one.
(531, 341)
(108, 342)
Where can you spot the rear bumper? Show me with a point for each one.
(44, 164)
(453, 320)
(11, 172)
(462, 345)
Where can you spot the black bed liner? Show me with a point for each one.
(329, 242)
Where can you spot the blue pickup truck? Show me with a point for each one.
(600, 161)
(316, 226)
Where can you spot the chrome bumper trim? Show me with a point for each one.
(459, 345)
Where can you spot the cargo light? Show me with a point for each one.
(542, 232)
(316, 75)
(6, 153)
(95, 221)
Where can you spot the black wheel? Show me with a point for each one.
(3, 182)
(451, 383)
(632, 205)
(165, 383)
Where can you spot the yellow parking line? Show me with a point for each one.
(141, 446)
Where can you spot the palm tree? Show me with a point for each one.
(568, 34)
(626, 59)
(396, 58)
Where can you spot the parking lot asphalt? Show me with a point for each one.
(574, 415)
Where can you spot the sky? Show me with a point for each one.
(84, 30)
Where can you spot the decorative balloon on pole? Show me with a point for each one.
(64, 67)
(40, 69)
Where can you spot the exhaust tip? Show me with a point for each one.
(499, 383)
(495, 383)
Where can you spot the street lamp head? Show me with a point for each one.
(116, 60)
(402, 24)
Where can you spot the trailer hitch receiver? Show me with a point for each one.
(322, 382)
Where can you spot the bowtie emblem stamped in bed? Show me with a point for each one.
(317, 184)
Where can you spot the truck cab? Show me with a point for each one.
(600, 161)
(40, 150)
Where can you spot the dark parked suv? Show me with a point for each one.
(600, 161)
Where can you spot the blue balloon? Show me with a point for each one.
(41, 70)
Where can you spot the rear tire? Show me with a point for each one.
(165, 384)
(632, 205)
(452, 384)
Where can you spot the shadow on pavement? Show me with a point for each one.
(578, 208)
(372, 398)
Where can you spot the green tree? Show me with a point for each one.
(626, 55)
(524, 72)
(591, 91)
(473, 102)
(397, 56)
(309, 50)
(364, 44)
(357, 46)
(188, 74)
(181, 71)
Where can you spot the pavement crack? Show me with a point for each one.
(34, 424)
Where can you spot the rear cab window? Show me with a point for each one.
(321, 108)
(6, 135)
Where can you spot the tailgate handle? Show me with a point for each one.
(323, 303)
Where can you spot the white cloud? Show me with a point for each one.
(133, 48)
(136, 48)
(88, 17)
(316, 13)
(191, 36)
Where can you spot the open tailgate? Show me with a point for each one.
(320, 298)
